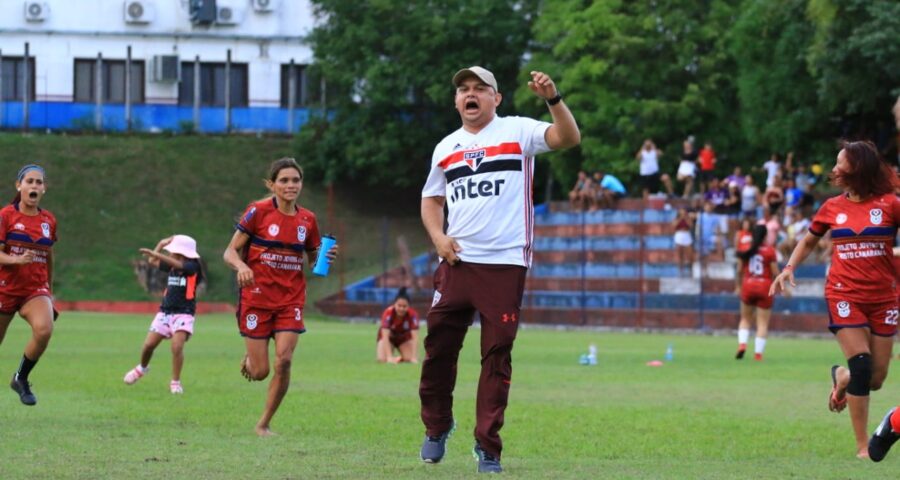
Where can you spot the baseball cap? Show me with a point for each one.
(482, 74)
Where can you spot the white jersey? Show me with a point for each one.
(486, 178)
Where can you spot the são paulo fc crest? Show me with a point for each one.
(473, 159)
(840, 219)
(251, 321)
(843, 309)
(273, 230)
(45, 229)
(301, 234)
(875, 216)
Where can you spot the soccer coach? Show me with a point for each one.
(484, 173)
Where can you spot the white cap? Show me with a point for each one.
(481, 73)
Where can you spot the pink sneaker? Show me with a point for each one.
(175, 387)
(135, 374)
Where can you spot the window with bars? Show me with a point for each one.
(13, 85)
(113, 77)
(212, 84)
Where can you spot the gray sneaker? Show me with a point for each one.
(433, 448)
(24, 390)
(487, 463)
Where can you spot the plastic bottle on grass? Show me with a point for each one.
(670, 353)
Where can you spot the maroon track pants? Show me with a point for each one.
(495, 292)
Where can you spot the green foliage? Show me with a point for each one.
(704, 415)
(388, 65)
(636, 70)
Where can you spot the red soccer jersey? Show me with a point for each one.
(862, 235)
(400, 325)
(275, 254)
(25, 232)
(759, 268)
(745, 238)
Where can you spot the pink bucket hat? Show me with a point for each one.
(183, 245)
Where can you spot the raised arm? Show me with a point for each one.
(563, 133)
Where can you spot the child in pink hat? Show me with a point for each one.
(175, 320)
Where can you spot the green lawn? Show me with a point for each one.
(114, 194)
(704, 415)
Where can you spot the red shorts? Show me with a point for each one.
(10, 304)
(396, 339)
(255, 322)
(756, 294)
(880, 318)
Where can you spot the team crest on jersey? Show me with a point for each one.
(840, 219)
(273, 229)
(875, 216)
(251, 321)
(843, 309)
(19, 226)
(301, 234)
(436, 299)
(473, 159)
(45, 229)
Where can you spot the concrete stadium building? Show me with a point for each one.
(155, 65)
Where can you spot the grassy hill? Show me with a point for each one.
(115, 194)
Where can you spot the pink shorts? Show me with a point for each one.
(166, 324)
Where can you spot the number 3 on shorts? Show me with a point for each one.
(891, 317)
(298, 315)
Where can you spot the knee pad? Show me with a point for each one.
(860, 374)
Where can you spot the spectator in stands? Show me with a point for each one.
(804, 179)
(773, 228)
(795, 231)
(750, 198)
(608, 190)
(792, 197)
(711, 230)
(684, 240)
(579, 197)
(650, 178)
(772, 168)
(716, 194)
(399, 330)
(707, 164)
(687, 169)
(773, 199)
(744, 235)
(736, 178)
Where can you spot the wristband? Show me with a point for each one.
(788, 268)
(553, 101)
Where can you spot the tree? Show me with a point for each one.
(388, 64)
(633, 70)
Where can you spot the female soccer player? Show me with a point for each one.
(175, 319)
(26, 271)
(399, 329)
(859, 289)
(267, 253)
(757, 266)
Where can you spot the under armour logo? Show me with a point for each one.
(508, 317)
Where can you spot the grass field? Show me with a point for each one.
(704, 415)
(114, 194)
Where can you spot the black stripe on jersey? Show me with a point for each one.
(485, 167)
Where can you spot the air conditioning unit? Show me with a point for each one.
(229, 15)
(203, 12)
(265, 5)
(37, 11)
(165, 68)
(139, 11)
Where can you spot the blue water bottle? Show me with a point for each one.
(670, 353)
(321, 268)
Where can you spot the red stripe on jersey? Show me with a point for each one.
(510, 148)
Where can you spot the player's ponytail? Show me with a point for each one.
(759, 236)
(402, 294)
